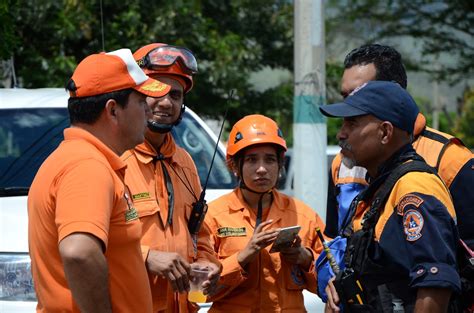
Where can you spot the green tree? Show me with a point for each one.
(440, 27)
(231, 39)
(437, 28)
(334, 71)
(464, 128)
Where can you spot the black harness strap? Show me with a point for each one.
(372, 216)
(169, 188)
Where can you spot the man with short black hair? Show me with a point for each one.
(83, 231)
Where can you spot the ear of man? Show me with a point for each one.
(111, 109)
(387, 132)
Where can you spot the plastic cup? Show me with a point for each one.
(198, 276)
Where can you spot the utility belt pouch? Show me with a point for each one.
(357, 249)
(349, 287)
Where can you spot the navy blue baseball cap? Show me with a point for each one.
(385, 100)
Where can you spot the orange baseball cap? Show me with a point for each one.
(117, 70)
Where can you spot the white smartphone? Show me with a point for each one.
(285, 238)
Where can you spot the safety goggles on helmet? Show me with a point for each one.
(166, 56)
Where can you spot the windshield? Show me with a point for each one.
(28, 136)
(192, 137)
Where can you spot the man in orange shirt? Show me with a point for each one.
(164, 184)
(84, 233)
(246, 222)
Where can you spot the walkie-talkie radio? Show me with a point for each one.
(200, 206)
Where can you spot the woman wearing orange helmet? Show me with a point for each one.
(164, 184)
(245, 222)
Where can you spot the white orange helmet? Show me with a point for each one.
(176, 62)
(251, 130)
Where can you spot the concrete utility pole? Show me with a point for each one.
(309, 128)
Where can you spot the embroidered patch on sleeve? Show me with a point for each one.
(231, 232)
(413, 224)
(409, 199)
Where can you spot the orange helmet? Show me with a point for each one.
(252, 130)
(178, 63)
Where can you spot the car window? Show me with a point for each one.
(28, 136)
(192, 137)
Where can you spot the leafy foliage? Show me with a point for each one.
(464, 128)
(7, 15)
(442, 27)
(231, 39)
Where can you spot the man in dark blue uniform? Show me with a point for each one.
(453, 161)
(402, 239)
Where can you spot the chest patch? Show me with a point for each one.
(413, 224)
(297, 275)
(142, 195)
(231, 232)
(408, 199)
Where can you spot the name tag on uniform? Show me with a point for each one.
(231, 232)
(142, 195)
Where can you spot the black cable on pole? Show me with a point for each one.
(102, 25)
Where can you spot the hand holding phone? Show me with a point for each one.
(285, 238)
(260, 239)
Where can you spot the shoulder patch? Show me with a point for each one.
(231, 232)
(413, 224)
(408, 199)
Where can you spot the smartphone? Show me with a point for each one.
(285, 238)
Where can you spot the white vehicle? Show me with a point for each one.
(285, 184)
(31, 127)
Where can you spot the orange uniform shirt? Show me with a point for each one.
(454, 156)
(144, 177)
(269, 284)
(80, 188)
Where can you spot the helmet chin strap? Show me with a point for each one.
(159, 127)
(243, 186)
(162, 128)
(260, 201)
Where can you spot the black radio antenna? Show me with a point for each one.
(203, 193)
(200, 206)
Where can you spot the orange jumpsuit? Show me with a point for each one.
(269, 284)
(144, 177)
